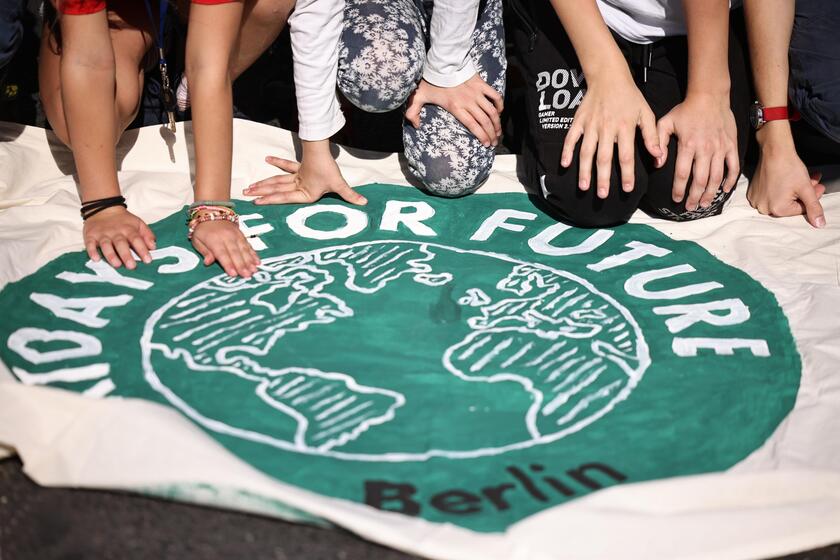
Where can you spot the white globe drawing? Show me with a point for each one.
(572, 351)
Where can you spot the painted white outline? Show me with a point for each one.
(642, 355)
(303, 423)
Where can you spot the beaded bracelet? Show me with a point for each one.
(206, 206)
(209, 208)
(206, 213)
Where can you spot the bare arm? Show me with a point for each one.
(781, 185)
(213, 30)
(594, 45)
(769, 25)
(613, 106)
(707, 23)
(88, 78)
(211, 40)
(87, 73)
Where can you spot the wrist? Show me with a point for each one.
(108, 212)
(211, 188)
(318, 154)
(775, 137)
(429, 85)
(316, 146)
(608, 68)
(711, 85)
(201, 213)
(92, 191)
(716, 96)
(91, 208)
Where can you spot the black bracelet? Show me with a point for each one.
(94, 207)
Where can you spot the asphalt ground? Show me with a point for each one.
(38, 523)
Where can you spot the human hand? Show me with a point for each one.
(115, 231)
(223, 242)
(305, 182)
(707, 148)
(474, 103)
(610, 114)
(782, 186)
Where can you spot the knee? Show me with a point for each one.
(584, 209)
(373, 100)
(676, 211)
(440, 177)
(602, 220)
(444, 156)
(375, 84)
(589, 219)
(378, 67)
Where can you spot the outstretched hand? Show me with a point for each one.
(223, 242)
(304, 182)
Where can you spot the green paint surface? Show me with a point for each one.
(473, 382)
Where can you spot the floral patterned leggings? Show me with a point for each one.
(381, 59)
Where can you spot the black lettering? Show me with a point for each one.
(456, 502)
(496, 495)
(559, 486)
(380, 492)
(553, 482)
(579, 474)
(527, 484)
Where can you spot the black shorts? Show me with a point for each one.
(555, 87)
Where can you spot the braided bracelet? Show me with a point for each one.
(225, 203)
(94, 207)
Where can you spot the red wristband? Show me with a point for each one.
(781, 114)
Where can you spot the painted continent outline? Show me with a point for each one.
(546, 306)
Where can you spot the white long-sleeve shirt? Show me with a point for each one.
(448, 61)
(316, 27)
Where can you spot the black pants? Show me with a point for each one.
(815, 65)
(815, 80)
(555, 88)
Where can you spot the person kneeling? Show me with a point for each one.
(597, 71)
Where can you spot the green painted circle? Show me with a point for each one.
(480, 380)
(534, 351)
